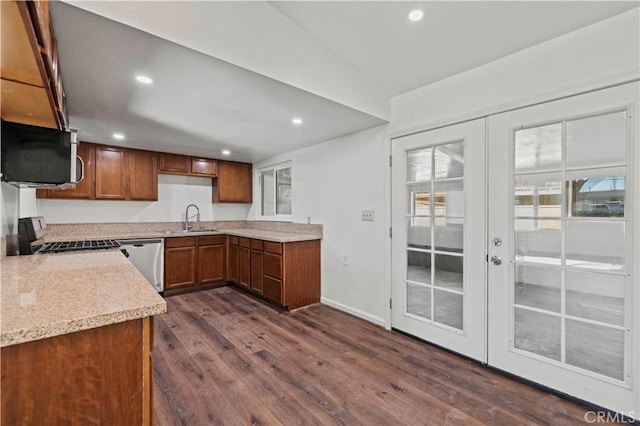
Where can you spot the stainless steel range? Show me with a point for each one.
(64, 246)
(31, 233)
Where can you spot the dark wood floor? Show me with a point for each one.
(222, 357)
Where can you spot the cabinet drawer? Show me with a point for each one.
(272, 289)
(210, 240)
(179, 242)
(273, 247)
(256, 244)
(273, 265)
(244, 242)
(233, 240)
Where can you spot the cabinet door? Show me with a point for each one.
(257, 271)
(273, 265)
(210, 264)
(234, 183)
(273, 290)
(26, 96)
(204, 167)
(110, 173)
(174, 164)
(85, 189)
(244, 267)
(233, 262)
(180, 267)
(143, 175)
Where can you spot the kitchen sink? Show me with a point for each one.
(189, 231)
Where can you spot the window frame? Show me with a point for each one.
(275, 167)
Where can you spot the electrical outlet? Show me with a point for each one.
(367, 215)
(345, 259)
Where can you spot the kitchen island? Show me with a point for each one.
(76, 335)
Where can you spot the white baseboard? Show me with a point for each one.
(355, 312)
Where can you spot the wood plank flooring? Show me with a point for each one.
(222, 357)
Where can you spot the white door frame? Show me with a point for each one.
(621, 397)
(471, 341)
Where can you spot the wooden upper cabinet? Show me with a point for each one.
(234, 183)
(110, 173)
(19, 63)
(174, 164)
(143, 175)
(86, 188)
(32, 90)
(204, 167)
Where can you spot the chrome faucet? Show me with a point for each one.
(187, 217)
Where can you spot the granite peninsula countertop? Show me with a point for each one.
(53, 294)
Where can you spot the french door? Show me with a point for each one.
(438, 261)
(528, 257)
(562, 220)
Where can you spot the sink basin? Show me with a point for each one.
(189, 231)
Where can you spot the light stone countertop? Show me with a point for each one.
(262, 234)
(275, 236)
(53, 294)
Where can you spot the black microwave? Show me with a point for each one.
(40, 157)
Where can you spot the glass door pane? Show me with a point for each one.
(435, 201)
(570, 239)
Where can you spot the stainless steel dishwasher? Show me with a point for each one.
(147, 255)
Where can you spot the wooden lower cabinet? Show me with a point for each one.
(273, 289)
(244, 262)
(98, 376)
(232, 261)
(193, 261)
(211, 260)
(257, 266)
(180, 262)
(287, 274)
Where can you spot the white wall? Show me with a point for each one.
(331, 183)
(174, 194)
(606, 52)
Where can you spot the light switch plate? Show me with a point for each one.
(367, 215)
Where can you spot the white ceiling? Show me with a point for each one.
(231, 75)
(454, 36)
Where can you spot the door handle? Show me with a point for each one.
(496, 260)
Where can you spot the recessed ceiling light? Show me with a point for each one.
(226, 152)
(144, 79)
(416, 15)
(297, 120)
(118, 136)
